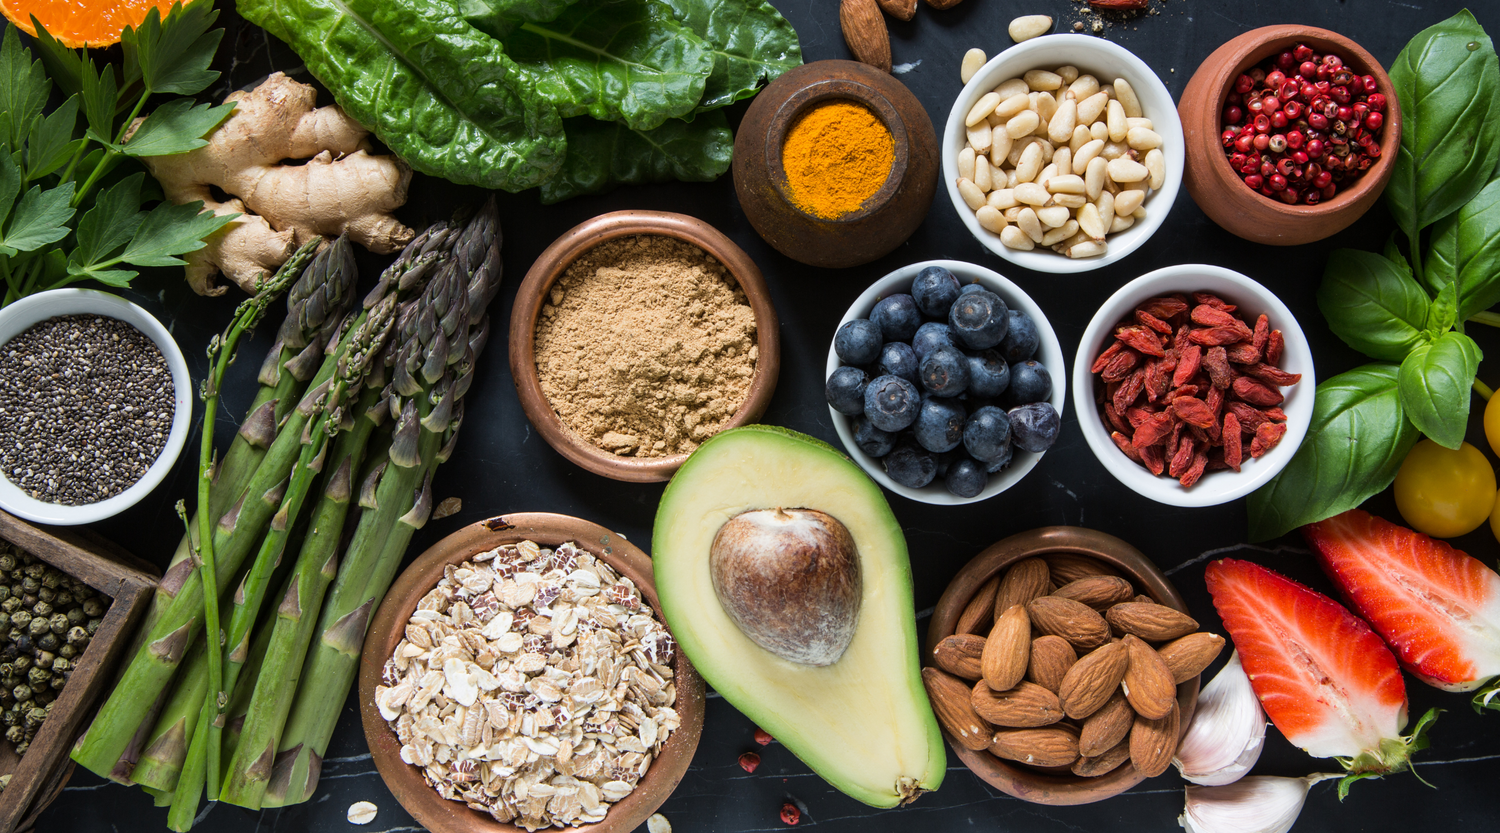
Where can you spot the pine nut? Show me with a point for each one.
(1114, 117)
(1000, 144)
(973, 60)
(966, 163)
(1018, 147)
(1060, 233)
(1010, 179)
(1063, 159)
(1013, 213)
(1089, 223)
(991, 219)
(1014, 238)
(982, 108)
(1047, 173)
(1119, 224)
(1030, 163)
(1106, 204)
(1046, 108)
(1062, 246)
(1068, 73)
(982, 173)
(1060, 126)
(1125, 169)
(1128, 201)
(1094, 176)
(1099, 130)
(1085, 154)
(1054, 216)
(1030, 223)
(1114, 150)
(1011, 87)
(1023, 124)
(1009, 107)
(1142, 138)
(1139, 213)
(1002, 198)
(1137, 122)
(1083, 86)
(1156, 163)
(1127, 98)
(1088, 248)
(1066, 184)
(1089, 109)
(979, 138)
(1070, 200)
(1081, 137)
(1031, 193)
(1026, 27)
(972, 196)
(1041, 79)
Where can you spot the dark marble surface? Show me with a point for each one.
(503, 466)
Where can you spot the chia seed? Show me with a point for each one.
(86, 403)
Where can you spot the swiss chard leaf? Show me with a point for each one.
(602, 155)
(1465, 251)
(441, 94)
(1435, 380)
(24, 88)
(175, 127)
(1448, 82)
(171, 230)
(1372, 305)
(51, 143)
(750, 41)
(40, 218)
(172, 55)
(110, 224)
(1356, 441)
(499, 18)
(615, 60)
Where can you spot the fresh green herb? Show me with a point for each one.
(750, 41)
(49, 171)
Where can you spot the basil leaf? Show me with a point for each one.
(1440, 266)
(1450, 113)
(1435, 380)
(615, 60)
(51, 143)
(24, 88)
(172, 55)
(750, 42)
(171, 230)
(40, 218)
(1443, 313)
(1372, 305)
(110, 223)
(1356, 441)
(1466, 252)
(175, 127)
(1394, 255)
(438, 92)
(602, 155)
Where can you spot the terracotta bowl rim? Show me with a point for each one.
(1014, 779)
(551, 264)
(406, 782)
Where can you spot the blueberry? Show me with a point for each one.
(872, 440)
(1003, 463)
(1034, 426)
(945, 372)
(911, 465)
(946, 459)
(1022, 339)
(989, 375)
(972, 287)
(891, 403)
(935, 289)
(966, 478)
(940, 424)
(897, 316)
(898, 359)
(979, 319)
(1029, 382)
(846, 390)
(987, 434)
(930, 335)
(858, 342)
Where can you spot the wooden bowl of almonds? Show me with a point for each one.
(500, 660)
(1063, 667)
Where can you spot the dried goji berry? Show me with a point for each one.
(1266, 438)
(1262, 332)
(1215, 400)
(1104, 358)
(1193, 412)
(1154, 458)
(1243, 353)
(1123, 443)
(1195, 469)
(1118, 422)
(1121, 366)
(1180, 338)
(1216, 362)
(1177, 393)
(1216, 460)
(1158, 378)
(1256, 392)
(1164, 307)
(1212, 336)
(1129, 390)
(1213, 317)
(1187, 365)
(1272, 375)
(1153, 322)
(1153, 431)
(1141, 339)
(1213, 300)
(1183, 458)
(1275, 414)
(1274, 347)
(1234, 449)
(1136, 416)
(1248, 417)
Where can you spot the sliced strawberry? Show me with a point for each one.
(1325, 679)
(1438, 608)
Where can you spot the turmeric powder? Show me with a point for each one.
(836, 156)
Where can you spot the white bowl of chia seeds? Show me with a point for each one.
(95, 400)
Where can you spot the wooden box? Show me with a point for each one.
(38, 777)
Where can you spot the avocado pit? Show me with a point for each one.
(790, 580)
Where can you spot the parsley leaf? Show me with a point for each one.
(110, 224)
(100, 92)
(51, 143)
(171, 230)
(40, 218)
(174, 127)
(172, 56)
(23, 89)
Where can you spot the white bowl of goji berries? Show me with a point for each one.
(1171, 358)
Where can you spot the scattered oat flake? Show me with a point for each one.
(361, 812)
(658, 824)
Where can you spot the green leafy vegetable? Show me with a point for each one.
(1434, 381)
(604, 154)
(1372, 305)
(750, 41)
(1357, 439)
(1448, 82)
(1466, 251)
(176, 127)
(499, 18)
(40, 219)
(23, 90)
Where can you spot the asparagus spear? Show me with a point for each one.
(161, 761)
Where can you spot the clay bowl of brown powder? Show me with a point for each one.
(636, 336)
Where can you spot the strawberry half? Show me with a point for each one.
(1438, 608)
(1325, 679)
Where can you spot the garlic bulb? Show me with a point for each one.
(1258, 804)
(1228, 729)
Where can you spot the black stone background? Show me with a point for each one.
(502, 466)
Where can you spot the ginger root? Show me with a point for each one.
(341, 188)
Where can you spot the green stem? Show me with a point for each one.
(167, 747)
(1491, 319)
(94, 177)
(125, 126)
(1416, 257)
(1482, 389)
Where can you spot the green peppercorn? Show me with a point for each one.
(9, 717)
(49, 641)
(51, 579)
(76, 616)
(61, 665)
(21, 620)
(22, 664)
(22, 693)
(15, 734)
(78, 637)
(38, 626)
(11, 604)
(4, 592)
(34, 718)
(47, 594)
(38, 688)
(67, 651)
(29, 585)
(7, 562)
(27, 558)
(39, 674)
(93, 608)
(41, 609)
(57, 623)
(93, 626)
(44, 659)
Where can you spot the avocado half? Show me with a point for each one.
(863, 723)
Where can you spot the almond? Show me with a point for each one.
(1105, 763)
(1148, 682)
(1089, 683)
(1051, 657)
(943, 4)
(865, 33)
(1098, 592)
(1024, 581)
(1153, 743)
(899, 9)
(1150, 621)
(1006, 651)
(1047, 746)
(959, 655)
(1067, 567)
(1106, 727)
(1142, 597)
(1187, 656)
(1076, 622)
(1025, 706)
(980, 611)
(950, 702)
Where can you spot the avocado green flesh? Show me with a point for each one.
(863, 723)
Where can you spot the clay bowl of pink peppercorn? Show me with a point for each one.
(1221, 191)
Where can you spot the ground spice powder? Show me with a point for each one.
(646, 346)
(836, 156)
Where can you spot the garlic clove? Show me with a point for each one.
(1228, 730)
(1258, 804)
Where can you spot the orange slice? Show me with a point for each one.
(78, 23)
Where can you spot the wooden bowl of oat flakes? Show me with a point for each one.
(566, 685)
(636, 336)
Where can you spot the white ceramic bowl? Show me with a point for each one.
(1049, 353)
(1107, 61)
(1215, 487)
(20, 316)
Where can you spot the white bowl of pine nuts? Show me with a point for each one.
(1055, 100)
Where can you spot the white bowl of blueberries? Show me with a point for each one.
(946, 382)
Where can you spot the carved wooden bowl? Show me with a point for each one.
(886, 219)
(440, 815)
(1218, 189)
(1023, 782)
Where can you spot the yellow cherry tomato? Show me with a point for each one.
(1445, 493)
(1492, 422)
(1495, 518)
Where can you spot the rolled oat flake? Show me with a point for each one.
(86, 403)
